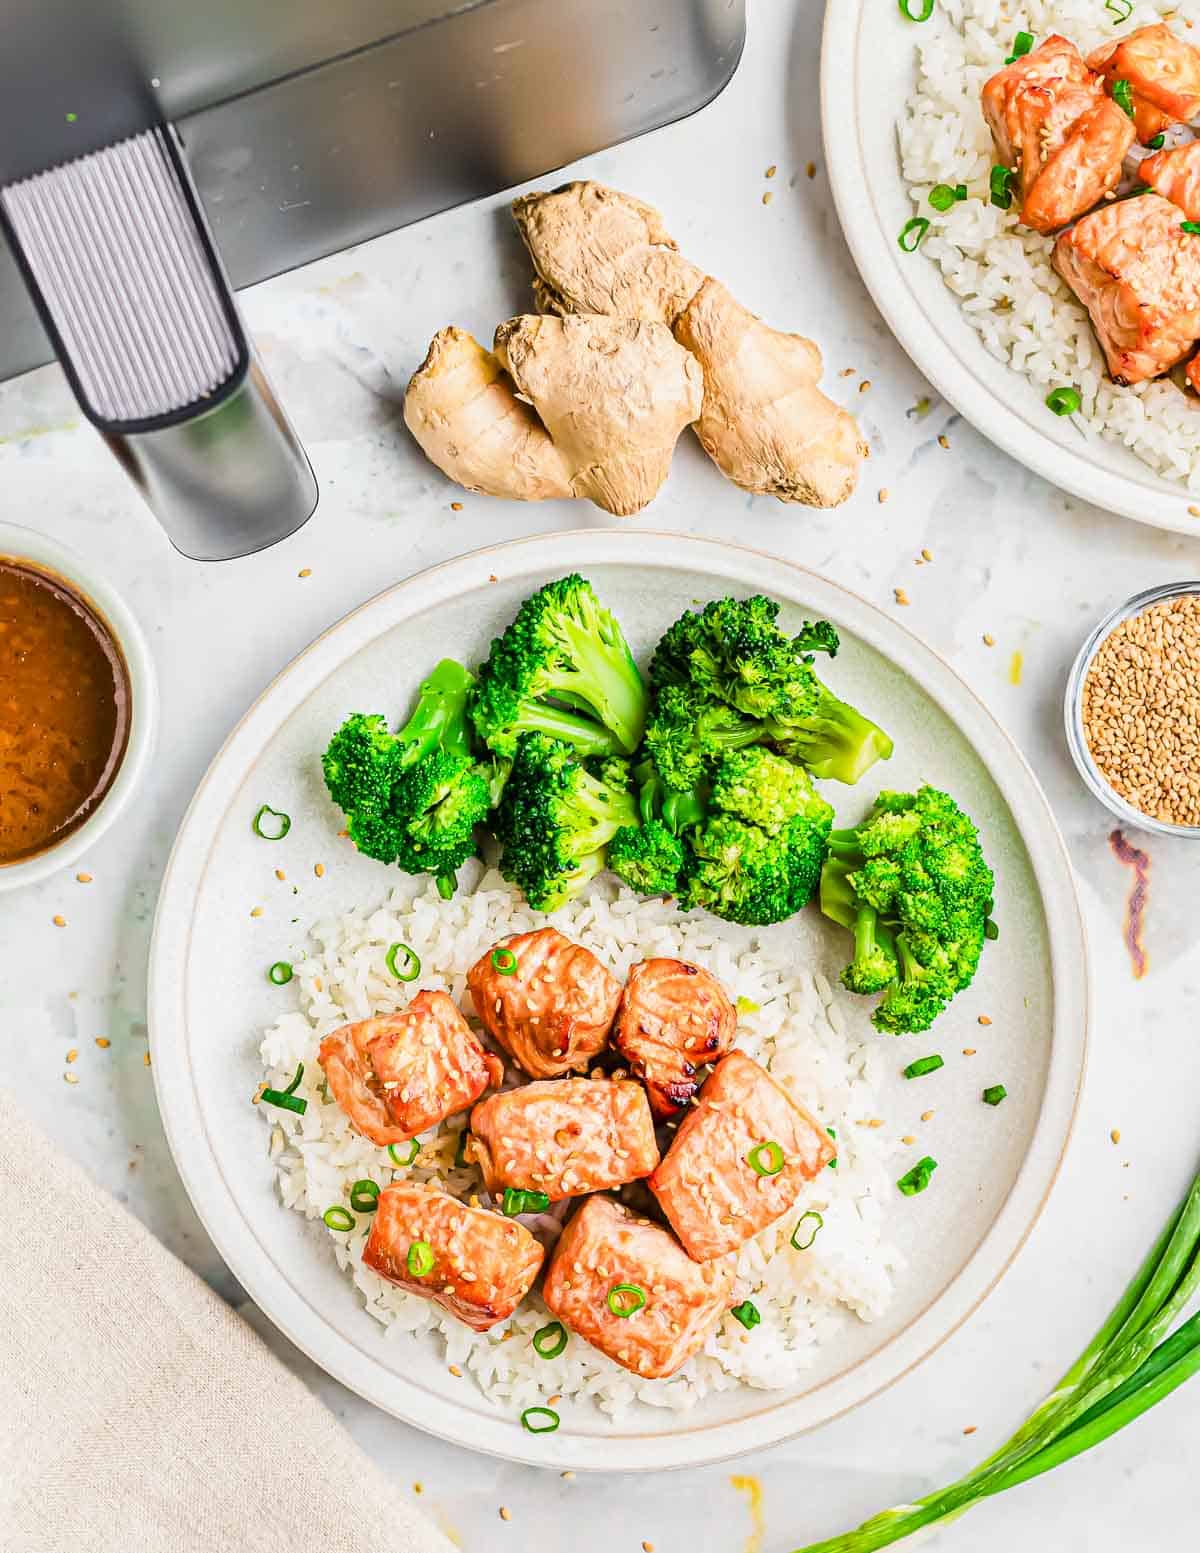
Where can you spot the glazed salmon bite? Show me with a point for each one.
(674, 1018)
(739, 1159)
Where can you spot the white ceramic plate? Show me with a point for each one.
(868, 69)
(209, 996)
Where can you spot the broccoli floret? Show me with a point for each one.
(817, 636)
(562, 668)
(761, 787)
(361, 763)
(442, 798)
(912, 885)
(749, 875)
(648, 857)
(556, 819)
(685, 734)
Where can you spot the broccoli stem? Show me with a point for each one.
(439, 718)
(583, 734)
(837, 742)
(605, 678)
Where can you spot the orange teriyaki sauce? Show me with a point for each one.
(64, 710)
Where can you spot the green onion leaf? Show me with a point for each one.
(339, 1218)
(1190, 226)
(549, 1341)
(942, 196)
(801, 1241)
(410, 968)
(917, 1179)
(747, 1313)
(924, 1065)
(532, 1419)
(766, 1159)
(1121, 9)
(960, 191)
(832, 1165)
(504, 961)
(1000, 183)
(1022, 43)
(747, 1006)
(626, 1299)
(516, 1201)
(1158, 142)
(991, 930)
(994, 1094)
(285, 1099)
(420, 1258)
(412, 1151)
(1122, 95)
(280, 973)
(924, 9)
(912, 232)
(277, 826)
(296, 1077)
(364, 1196)
(1065, 401)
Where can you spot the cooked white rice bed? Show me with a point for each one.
(1001, 271)
(797, 1031)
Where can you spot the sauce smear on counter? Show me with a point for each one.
(64, 710)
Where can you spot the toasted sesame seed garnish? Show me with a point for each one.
(943, 441)
(84, 878)
(257, 911)
(59, 920)
(557, 1397)
(505, 1513)
(453, 1368)
(279, 874)
(146, 1061)
(319, 870)
(72, 1054)
(883, 495)
(569, 1476)
(1115, 1135)
(984, 1019)
(71, 1078)
(927, 555)
(103, 1042)
(926, 1116)
(811, 169)
(456, 506)
(864, 385)
(771, 171)
(988, 639)
(968, 1051)
(847, 372)
(647, 1547)
(876, 1121)
(901, 596)
(418, 1488)
(970, 1429)
(767, 197)
(1194, 512)
(908, 1138)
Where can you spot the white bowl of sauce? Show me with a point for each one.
(77, 705)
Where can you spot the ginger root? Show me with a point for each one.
(765, 423)
(580, 406)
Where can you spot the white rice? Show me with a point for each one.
(797, 1031)
(1001, 271)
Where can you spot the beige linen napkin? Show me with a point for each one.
(138, 1413)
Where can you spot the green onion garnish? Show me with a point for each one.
(280, 973)
(1157, 143)
(1022, 43)
(991, 930)
(412, 964)
(339, 1218)
(420, 1258)
(523, 1202)
(923, 12)
(912, 232)
(278, 826)
(803, 1242)
(942, 196)
(413, 1149)
(460, 1148)
(832, 1165)
(747, 1006)
(296, 1077)
(923, 1065)
(504, 961)
(626, 1299)
(765, 1159)
(1122, 95)
(1190, 226)
(1000, 183)
(549, 1341)
(551, 1418)
(364, 1196)
(917, 1179)
(747, 1313)
(1065, 401)
(1121, 9)
(994, 1093)
(287, 1099)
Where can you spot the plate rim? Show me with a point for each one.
(1150, 500)
(217, 1205)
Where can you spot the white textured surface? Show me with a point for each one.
(1012, 557)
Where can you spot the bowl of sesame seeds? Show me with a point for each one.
(1133, 710)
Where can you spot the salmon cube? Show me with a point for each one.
(1079, 172)
(564, 1137)
(674, 1018)
(1055, 65)
(400, 1074)
(739, 1159)
(546, 1001)
(474, 1263)
(628, 1288)
(1175, 175)
(1162, 70)
(1137, 272)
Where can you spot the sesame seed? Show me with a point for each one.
(84, 878)
(1115, 1135)
(984, 1019)
(146, 1059)
(968, 1051)
(970, 1429)
(901, 596)
(943, 441)
(305, 571)
(71, 1078)
(883, 495)
(1194, 512)
(864, 385)
(279, 874)
(771, 171)
(876, 1121)
(319, 870)
(767, 197)
(257, 911)
(647, 1547)
(72, 1054)
(103, 1042)
(505, 1513)
(456, 506)
(846, 372)
(60, 921)
(908, 1138)
(927, 555)
(926, 1116)
(568, 1476)
(811, 169)
(453, 1368)
(988, 639)
(418, 1488)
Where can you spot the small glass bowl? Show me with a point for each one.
(1094, 779)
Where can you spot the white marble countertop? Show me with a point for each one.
(1012, 557)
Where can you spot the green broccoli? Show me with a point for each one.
(648, 857)
(685, 734)
(413, 797)
(564, 669)
(556, 819)
(911, 883)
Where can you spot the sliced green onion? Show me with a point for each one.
(287, 1099)
(296, 1077)
(765, 1159)
(551, 1423)
(942, 195)
(504, 961)
(516, 1201)
(420, 1258)
(1122, 95)
(339, 1218)
(1121, 9)
(626, 1299)
(1157, 143)
(280, 973)
(278, 827)
(1190, 226)
(747, 1313)
(912, 232)
(1022, 43)
(832, 1165)
(801, 1241)
(1065, 401)
(991, 930)
(747, 1006)
(917, 1179)
(923, 12)
(549, 1341)
(412, 964)
(364, 1196)
(460, 1148)
(994, 1094)
(1000, 183)
(410, 1158)
(924, 1065)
